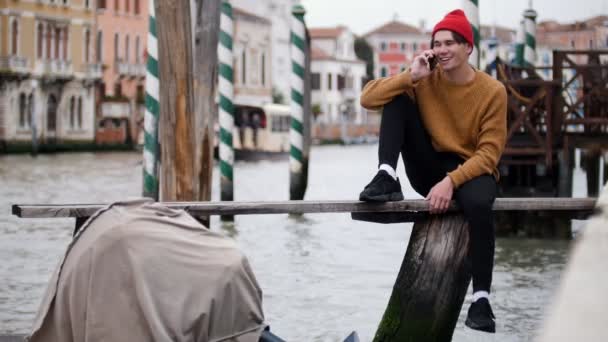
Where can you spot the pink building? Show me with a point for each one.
(395, 45)
(122, 29)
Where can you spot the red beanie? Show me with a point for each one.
(456, 21)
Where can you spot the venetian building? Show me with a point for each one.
(47, 73)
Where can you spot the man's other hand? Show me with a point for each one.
(440, 196)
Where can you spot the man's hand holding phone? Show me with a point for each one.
(423, 65)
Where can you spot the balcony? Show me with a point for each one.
(115, 109)
(93, 71)
(15, 64)
(55, 68)
(130, 70)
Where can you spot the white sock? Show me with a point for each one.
(480, 294)
(389, 170)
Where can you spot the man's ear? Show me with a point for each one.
(469, 49)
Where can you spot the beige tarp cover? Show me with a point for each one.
(138, 271)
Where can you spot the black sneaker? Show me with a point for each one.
(480, 316)
(383, 188)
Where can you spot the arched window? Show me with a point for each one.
(80, 112)
(127, 49)
(244, 69)
(51, 108)
(66, 37)
(87, 42)
(263, 78)
(137, 50)
(22, 111)
(99, 46)
(57, 41)
(30, 109)
(49, 40)
(40, 41)
(127, 6)
(15, 37)
(72, 113)
(116, 46)
(116, 5)
(136, 7)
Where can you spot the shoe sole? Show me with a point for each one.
(488, 329)
(392, 197)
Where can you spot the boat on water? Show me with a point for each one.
(261, 133)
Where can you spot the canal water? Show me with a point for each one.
(323, 275)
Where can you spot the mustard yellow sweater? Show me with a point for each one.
(467, 119)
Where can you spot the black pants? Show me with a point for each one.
(402, 131)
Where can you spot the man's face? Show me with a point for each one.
(450, 54)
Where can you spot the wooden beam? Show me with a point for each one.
(307, 207)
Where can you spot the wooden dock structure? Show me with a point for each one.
(435, 273)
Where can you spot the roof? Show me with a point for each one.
(554, 26)
(318, 53)
(395, 27)
(326, 32)
(242, 13)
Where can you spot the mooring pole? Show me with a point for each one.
(471, 10)
(530, 37)
(520, 41)
(431, 284)
(151, 116)
(226, 107)
(187, 103)
(300, 106)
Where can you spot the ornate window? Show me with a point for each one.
(15, 37)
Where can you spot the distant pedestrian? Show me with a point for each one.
(449, 124)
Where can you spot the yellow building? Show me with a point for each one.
(47, 72)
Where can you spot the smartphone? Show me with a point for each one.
(432, 62)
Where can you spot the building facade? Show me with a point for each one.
(336, 76)
(120, 46)
(395, 44)
(47, 72)
(252, 51)
(278, 13)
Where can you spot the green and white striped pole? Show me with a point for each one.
(298, 163)
(151, 117)
(519, 45)
(226, 107)
(530, 37)
(471, 10)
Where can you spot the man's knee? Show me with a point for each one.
(477, 195)
(399, 103)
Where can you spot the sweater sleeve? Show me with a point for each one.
(490, 144)
(378, 92)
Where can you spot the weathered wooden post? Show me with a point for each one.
(226, 107)
(151, 116)
(471, 10)
(299, 134)
(431, 284)
(591, 163)
(187, 103)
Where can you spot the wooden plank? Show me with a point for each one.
(306, 207)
